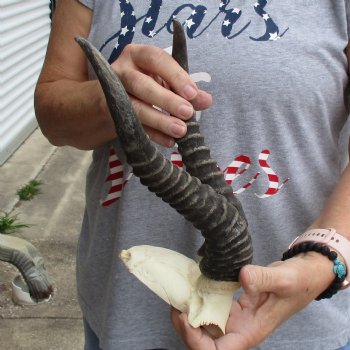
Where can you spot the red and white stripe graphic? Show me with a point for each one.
(116, 177)
(238, 167)
(176, 159)
(246, 186)
(274, 184)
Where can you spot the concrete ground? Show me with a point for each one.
(54, 217)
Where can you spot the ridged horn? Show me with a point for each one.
(29, 262)
(195, 154)
(227, 243)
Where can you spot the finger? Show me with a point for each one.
(175, 318)
(257, 279)
(148, 90)
(157, 120)
(194, 338)
(155, 60)
(232, 341)
(159, 138)
(202, 101)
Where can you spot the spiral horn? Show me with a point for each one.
(202, 199)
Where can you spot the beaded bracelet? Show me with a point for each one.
(338, 268)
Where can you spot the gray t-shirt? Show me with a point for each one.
(278, 73)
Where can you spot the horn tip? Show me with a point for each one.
(80, 40)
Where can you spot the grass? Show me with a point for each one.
(10, 224)
(28, 191)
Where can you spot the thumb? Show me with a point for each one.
(257, 279)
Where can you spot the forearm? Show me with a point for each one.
(73, 113)
(336, 212)
(70, 109)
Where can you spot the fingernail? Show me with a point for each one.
(178, 130)
(185, 111)
(189, 92)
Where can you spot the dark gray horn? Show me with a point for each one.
(195, 154)
(227, 244)
(179, 51)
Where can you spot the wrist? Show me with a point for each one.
(327, 243)
(320, 270)
(328, 238)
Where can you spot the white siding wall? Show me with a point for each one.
(24, 31)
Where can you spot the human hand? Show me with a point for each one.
(153, 78)
(271, 295)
